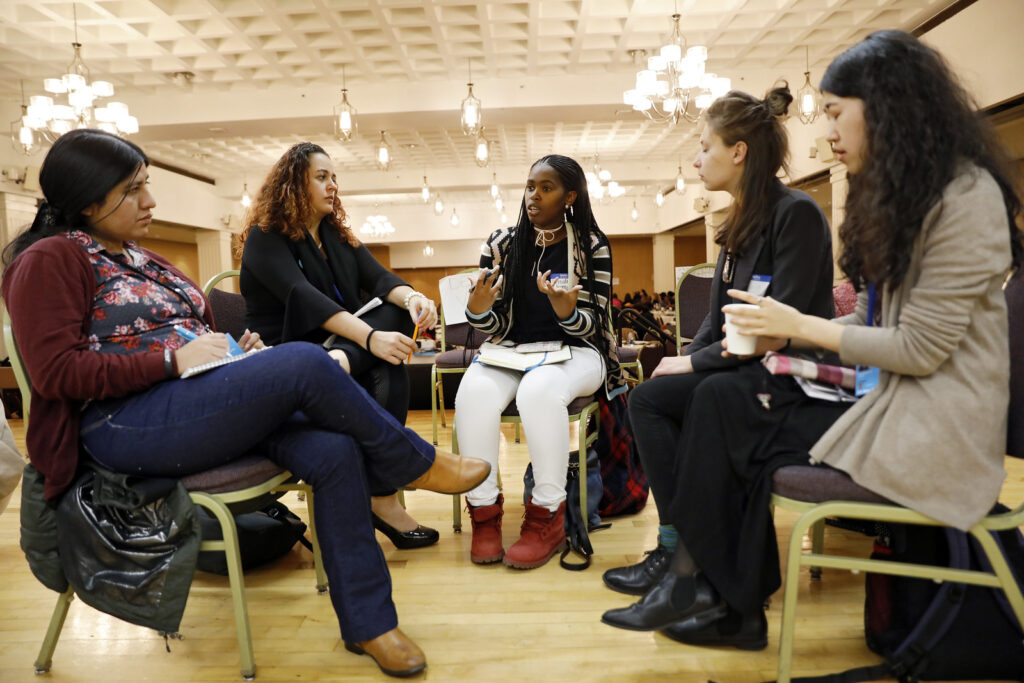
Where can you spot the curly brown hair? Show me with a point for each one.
(283, 204)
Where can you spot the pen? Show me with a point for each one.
(185, 334)
(415, 334)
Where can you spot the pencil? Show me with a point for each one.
(415, 334)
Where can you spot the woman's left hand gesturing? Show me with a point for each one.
(563, 302)
(424, 311)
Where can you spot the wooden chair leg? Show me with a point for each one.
(229, 546)
(60, 613)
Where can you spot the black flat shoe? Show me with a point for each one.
(420, 537)
(674, 598)
(744, 632)
(637, 579)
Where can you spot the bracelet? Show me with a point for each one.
(168, 362)
(409, 297)
(368, 339)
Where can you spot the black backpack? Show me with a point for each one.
(939, 631)
(263, 536)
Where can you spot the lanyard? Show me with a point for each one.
(872, 299)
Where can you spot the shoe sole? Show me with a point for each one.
(749, 645)
(402, 673)
(533, 565)
(636, 591)
(705, 618)
(487, 560)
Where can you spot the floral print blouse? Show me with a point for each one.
(137, 302)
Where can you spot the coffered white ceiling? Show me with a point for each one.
(550, 73)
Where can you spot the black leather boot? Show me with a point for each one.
(674, 598)
(742, 631)
(637, 579)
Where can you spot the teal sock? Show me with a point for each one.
(668, 536)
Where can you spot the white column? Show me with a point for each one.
(214, 255)
(664, 262)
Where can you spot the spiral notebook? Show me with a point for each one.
(205, 367)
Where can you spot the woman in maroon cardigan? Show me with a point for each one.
(102, 326)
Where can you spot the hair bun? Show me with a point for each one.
(778, 99)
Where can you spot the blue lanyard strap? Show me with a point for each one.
(872, 298)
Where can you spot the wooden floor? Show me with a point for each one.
(474, 623)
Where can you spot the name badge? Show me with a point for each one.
(759, 284)
(867, 379)
(560, 281)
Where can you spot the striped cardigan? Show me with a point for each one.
(583, 322)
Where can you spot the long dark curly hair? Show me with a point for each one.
(920, 125)
(518, 267)
(738, 116)
(283, 203)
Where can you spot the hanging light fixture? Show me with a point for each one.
(23, 137)
(499, 205)
(600, 183)
(454, 218)
(438, 205)
(246, 199)
(53, 120)
(495, 190)
(680, 180)
(504, 218)
(471, 112)
(659, 198)
(675, 85)
(635, 213)
(428, 251)
(345, 125)
(482, 153)
(808, 97)
(377, 227)
(425, 191)
(382, 153)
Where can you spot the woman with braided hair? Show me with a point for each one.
(545, 279)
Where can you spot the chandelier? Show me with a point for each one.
(600, 183)
(808, 96)
(23, 136)
(680, 180)
(454, 219)
(470, 119)
(482, 151)
(495, 190)
(425, 191)
(675, 84)
(345, 126)
(50, 119)
(377, 227)
(438, 205)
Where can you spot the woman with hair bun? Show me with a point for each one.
(775, 238)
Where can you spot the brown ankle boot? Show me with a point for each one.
(394, 652)
(452, 473)
(542, 536)
(487, 547)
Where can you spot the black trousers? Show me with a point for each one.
(657, 410)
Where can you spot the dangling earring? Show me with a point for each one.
(568, 213)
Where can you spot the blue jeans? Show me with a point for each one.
(295, 405)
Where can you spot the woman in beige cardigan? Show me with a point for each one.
(929, 235)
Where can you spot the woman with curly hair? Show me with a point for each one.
(774, 236)
(929, 237)
(304, 275)
(516, 299)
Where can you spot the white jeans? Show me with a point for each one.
(542, 396)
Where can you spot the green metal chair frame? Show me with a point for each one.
(587, 437)
(687, 273)
(813, 516)
(212, 282)
(219, 506)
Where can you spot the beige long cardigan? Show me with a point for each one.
(932, 435)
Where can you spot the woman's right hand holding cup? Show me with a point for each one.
(203, 349)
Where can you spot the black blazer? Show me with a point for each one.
(796, 251)
(289, 287)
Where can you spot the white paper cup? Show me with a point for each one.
(739, 344)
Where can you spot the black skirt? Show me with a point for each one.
(730, 447)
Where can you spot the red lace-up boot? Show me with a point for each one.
(486, 520)
(542, 536)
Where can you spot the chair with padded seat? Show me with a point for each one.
(243, 485)
(817, 493)
(581, 410)
(693, 300)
